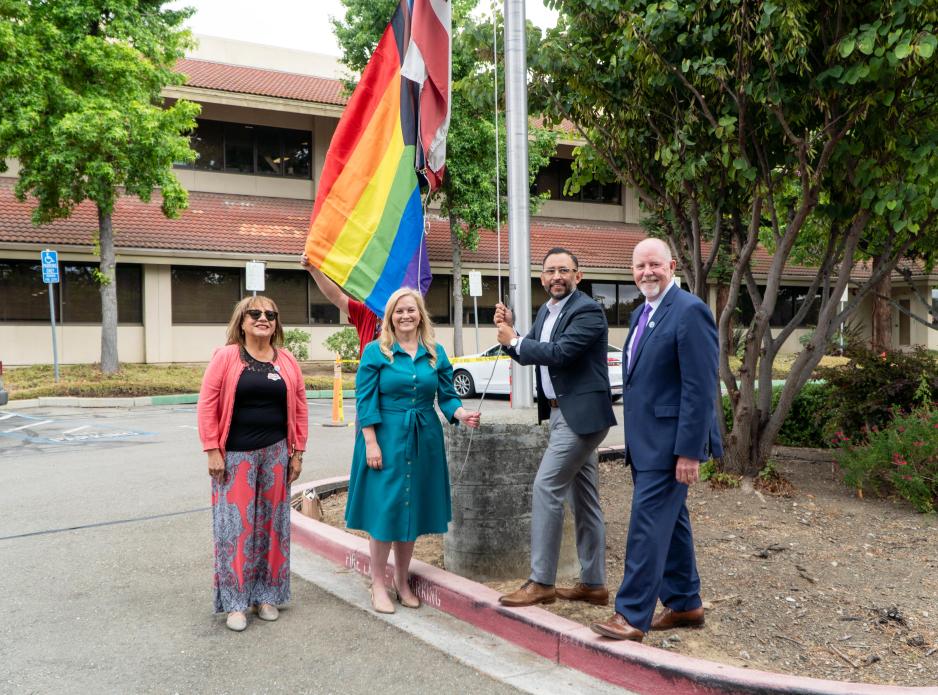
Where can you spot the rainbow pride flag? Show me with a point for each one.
(367, 228)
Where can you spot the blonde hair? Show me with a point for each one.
(425, 334)
(235, 336)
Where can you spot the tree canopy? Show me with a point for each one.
(81, 110)
(810, 127)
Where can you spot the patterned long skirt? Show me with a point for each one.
(251, 521)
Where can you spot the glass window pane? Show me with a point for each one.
(239, 148)
(486, 302)
(605, 294)
(129, 293)
(321, 310)
(208, 142)
(288, 289)
(25, 295)
(297, 148)
(204, 295)
(269, 155)
(81, 300)
(629, 300)
(438, 300)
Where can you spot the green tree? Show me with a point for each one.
(808, 127)
(467, 197)
(80, 109)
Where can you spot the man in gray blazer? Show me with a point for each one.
(568, 343)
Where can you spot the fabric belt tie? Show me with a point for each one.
(416, 421)
(552, 402)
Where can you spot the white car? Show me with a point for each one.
(472, 375)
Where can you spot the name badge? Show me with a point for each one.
(273, 377)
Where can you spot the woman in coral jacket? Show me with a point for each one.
(253, 425)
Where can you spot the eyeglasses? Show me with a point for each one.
(256, 314)
(558, 271)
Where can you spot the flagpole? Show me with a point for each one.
(519, 242)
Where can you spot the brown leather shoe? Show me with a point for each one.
(597, 595)
(617, 627)
(668, 619)
(530, 594)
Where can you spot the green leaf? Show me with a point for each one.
(726, 121)
(685, 65)
(739, 163)
(903, 50)
(846, 47)
(926, 46)
(867, 42)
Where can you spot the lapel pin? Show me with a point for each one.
(651, 324)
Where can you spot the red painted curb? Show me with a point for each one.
(634, 666)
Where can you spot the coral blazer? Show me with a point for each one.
(217, 395)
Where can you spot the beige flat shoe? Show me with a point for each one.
(374, 604)
(267, 612)
(237, 621)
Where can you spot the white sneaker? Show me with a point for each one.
(237, 621)
(267, 612)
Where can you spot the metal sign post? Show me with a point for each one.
(254, 277)
(475, 291)
(50, 276)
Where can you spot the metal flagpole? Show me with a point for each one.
(519, 242)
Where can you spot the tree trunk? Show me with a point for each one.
(107, 283)
(457, 288)
(881, 338)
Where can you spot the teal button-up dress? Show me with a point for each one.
(410, 495)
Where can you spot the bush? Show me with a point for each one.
(805, 423)
(343, 342)
(901, 457)
(296, 340)
(866, 391)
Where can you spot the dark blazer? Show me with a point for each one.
(669, 392)
(576, 359)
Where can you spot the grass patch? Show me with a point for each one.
(86, 380)
(784, 362)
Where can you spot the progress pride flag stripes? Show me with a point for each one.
(366, 231)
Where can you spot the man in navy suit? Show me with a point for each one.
(568, 342)
(669, 399)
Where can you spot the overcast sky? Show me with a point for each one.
(300, 24)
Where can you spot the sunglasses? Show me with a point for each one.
(256, 314)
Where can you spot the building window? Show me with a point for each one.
(438, 300)
(76, 298)
(553, 177)
(289, 289)
(790, 299)
(204, 295)
(321, 310)
(247, 149)
(934, 305)
(618, 299)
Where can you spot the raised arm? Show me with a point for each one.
(330, 290)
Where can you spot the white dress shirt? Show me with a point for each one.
(554, 310)
(655, 303)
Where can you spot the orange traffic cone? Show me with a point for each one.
(338, 419)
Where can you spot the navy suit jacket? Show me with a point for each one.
(576, 359)
(669, 391)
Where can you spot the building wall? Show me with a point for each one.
(23, 344)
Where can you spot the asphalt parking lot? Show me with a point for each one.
(105, 543)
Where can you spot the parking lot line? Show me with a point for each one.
(28, 425)
(76, 429)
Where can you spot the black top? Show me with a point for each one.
(260, 407)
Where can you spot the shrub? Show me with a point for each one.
(710, 472)
(296, 340)
(805, 423)
(901, 457)
(343, 342)
(866, 391)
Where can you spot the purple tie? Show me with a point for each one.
(639, 329)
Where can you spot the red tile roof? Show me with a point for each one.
(216, 223)
(270, 83)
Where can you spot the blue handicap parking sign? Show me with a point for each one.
(50, 265)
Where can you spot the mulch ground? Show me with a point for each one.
(816, 583)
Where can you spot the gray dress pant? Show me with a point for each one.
(568, 470)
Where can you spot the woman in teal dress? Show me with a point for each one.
(399, 486)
